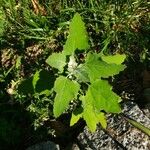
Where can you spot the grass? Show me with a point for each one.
(118, 23)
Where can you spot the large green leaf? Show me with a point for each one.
(99, 97)
(102, 97)
(116, 59)
(66, 91)
(77, 38)
(96, 68)
(57, 60)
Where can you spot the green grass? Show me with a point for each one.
(113, 26)
(2, 22)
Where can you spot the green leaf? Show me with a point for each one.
(66, 90)
(57, 60)
(96, 68)
(92, 116)
(43, 82)
(116, 59)
(18, 62)
(45, 92)
(99, 97)
(35, 79)
(102, 97)
(76, 115)
(77, 38)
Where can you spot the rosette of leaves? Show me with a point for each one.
(92, 71)
(81, 79)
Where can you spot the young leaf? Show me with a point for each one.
(57, 60)
(116, 59)
(81, 74)
(102, 97)
(97, 68)
(77, 38)
(66, 91)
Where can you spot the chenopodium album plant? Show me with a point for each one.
(84, 78)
